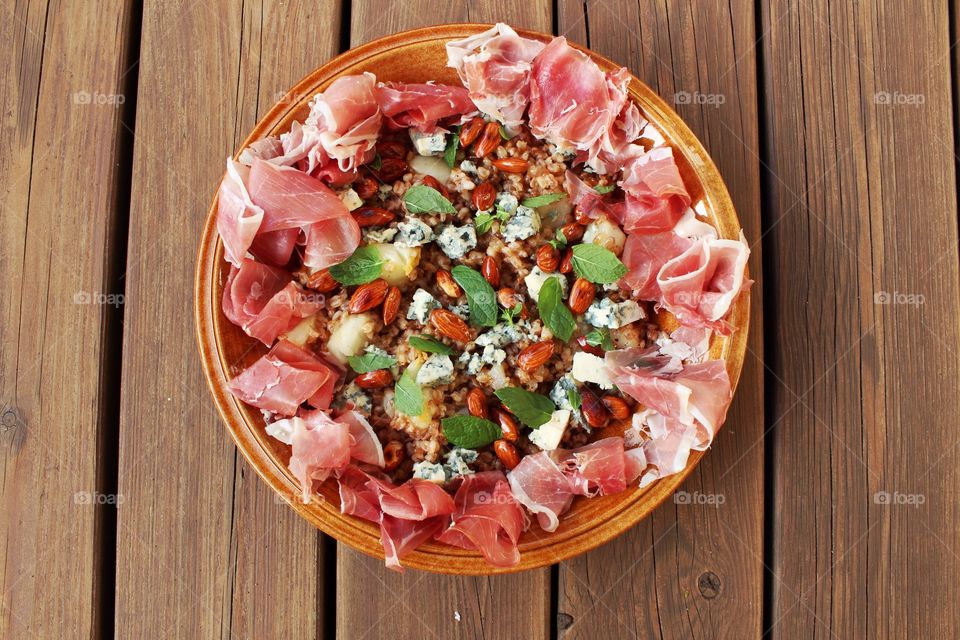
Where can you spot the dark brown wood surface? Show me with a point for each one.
(827, 507)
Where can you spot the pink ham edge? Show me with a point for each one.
(320, 447)
(238, 218)
(282, 380)
(422, 106)
(656, 197)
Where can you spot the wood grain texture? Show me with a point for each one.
(212, 553)
(863, 244)
(693, 570)
(373, 602)
(59, 175)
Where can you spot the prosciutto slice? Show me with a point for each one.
(656, 198)
(585, 197)
(598, 468)
(487, 518)
(364, 444)
(347, 118)
(644, 256)
(495, 68)
(283, 379)
(422, 106)
(321, 447)
(238, 218)
(699, 285)
(539, 485)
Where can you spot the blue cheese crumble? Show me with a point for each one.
(560, 393)
(500, 335)
(535, 279)
(428, 144)
(457, 241)
(413, 232)
(429, 471)
(462, 310)
(613, 315)
(457, 461)
(375, 236)
(473, 362)
(436, 371)
(421, 306)
(352, 395)
(524, 223)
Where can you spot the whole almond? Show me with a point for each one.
(489, 140)
(366, 187)
(491, 271)
(471, 131)
(477, 403)
(573, 232)
(593, 409)
(373, 216)
(511, 165)
(393, 455)
(483, 196)
(617, 407)
(581, 216)
(449, 324)
(508, 298)
(535, 356)
(322, 281)
(548, 258)
(367, 296)
(391, 305)
(507, 453)
(508, 425)
(581, 295)
(374, 379)
(447, 284)
(566, 265)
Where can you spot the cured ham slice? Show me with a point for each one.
(585, 197)
(330, 241)
(495, 67)
(422, 106)
(347, 118)
(275, 247)
(599, 467)
(487, 518)
(364, 444)
(282, 380)
(699, 285)
(539, 485)
(656, 198)
(644, 256)
(320, 448)
(238, 218)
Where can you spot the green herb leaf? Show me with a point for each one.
(599, 338)
(480, 295)
(376, 163)
(597, 264)
(470, 432)
(408, 396)
(559, 241)
(429, 344)
(533, 409)
(553, 311)
(573, 396)
(604, 188)
(510, 314)
(361, 267)
(371, 362)
(504, 134)
(423, 199)
(483, 221)
(543, 199)
(450, 152)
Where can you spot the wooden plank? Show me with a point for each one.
(692, 570)
(60, 160)
(862, 233)
(373, 602)
(212, 554)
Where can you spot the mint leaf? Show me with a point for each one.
(599, 338)
(553, 311)
(504, 134)
(509, 315)
(408, 396)
(597, 264)
(604, 188)
(423, 199)
(532, 409)
(470, 432)
(371, 362)
(543, 199)
(450, 152)
(573, 397)
(428, 344)
(480, 295)
(361, 267)
(483, 221)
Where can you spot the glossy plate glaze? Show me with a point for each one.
(419, 56)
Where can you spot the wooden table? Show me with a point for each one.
(828, 506)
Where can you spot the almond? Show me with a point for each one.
(373, 216)
(581, 216)
(393, 455)
(391, 149)
(484, 196)
(374, 379)
(449, 324)
(507, 453)
(617, 407)
(511, 165)
(391, 305)
(322, 281)
(477, 403)
(391, 169)
(593, 409)
(566, 265)
(581, 295)
(508, 298)
(508, 425)
(447, 284)
(366, 187)
(471, 131)
(367, 296)
(489, 141)
(535, 356)
(572, 232)
(433, 183)
(490, 271)
(548, 258)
